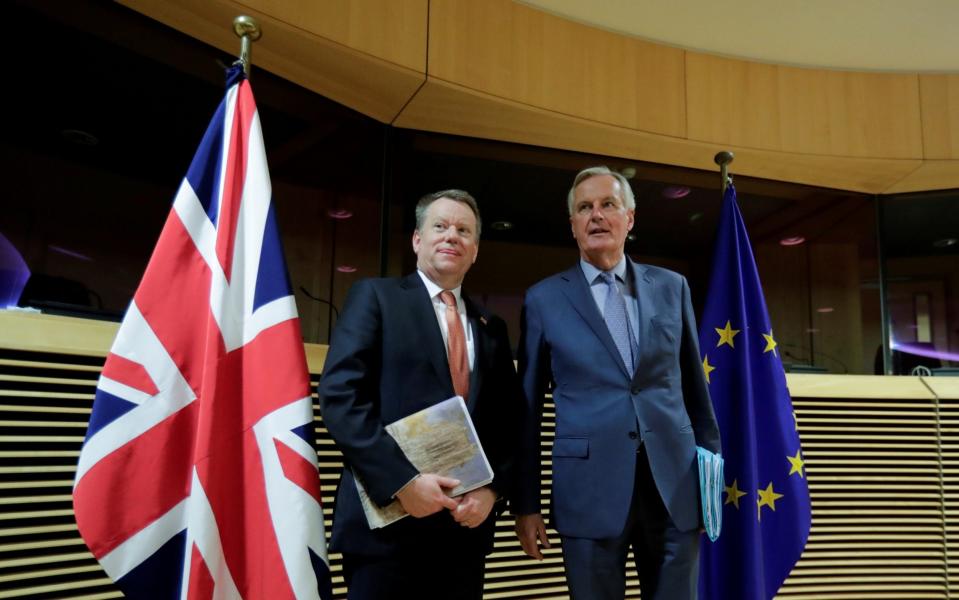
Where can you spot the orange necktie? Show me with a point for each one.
(456, 343)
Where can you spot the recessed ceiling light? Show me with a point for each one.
(825, 309)
(80, 137)
(339, 213)
(70, 253)
(631, 237)
(501, 225)
(346, 269)
(675, 192)
(628, 172)
(945, 242)
(792, 241)
(695, 217)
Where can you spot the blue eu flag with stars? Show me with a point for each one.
(766, 509)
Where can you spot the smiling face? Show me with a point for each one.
(447, 243)
(600, 221)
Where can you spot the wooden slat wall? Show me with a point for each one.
(883, 469)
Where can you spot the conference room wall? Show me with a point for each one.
(502, 70)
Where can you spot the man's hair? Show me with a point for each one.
(626, 194)
(457, 195)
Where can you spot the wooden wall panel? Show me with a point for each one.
(928, 175)
(514, 52)
(501, 70)
(375, 86)
(449, 108)
(733, 101)
(939, 96)
(394, 30)
(809, 111)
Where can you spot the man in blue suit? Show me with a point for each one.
(617, 341)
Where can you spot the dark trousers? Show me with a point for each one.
(667, 560)
(450, 575)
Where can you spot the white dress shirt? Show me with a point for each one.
(440, 309)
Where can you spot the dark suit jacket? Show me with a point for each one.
(564, 339)
(387, 360)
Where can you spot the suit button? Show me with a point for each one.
(632, 435)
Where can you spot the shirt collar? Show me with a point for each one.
(592, 272)
(434, 290)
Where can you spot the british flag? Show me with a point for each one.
(197, 478)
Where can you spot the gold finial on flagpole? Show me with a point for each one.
(723, 159)
(248, 30)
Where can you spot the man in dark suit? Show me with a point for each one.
(401, 345)
(617, 339)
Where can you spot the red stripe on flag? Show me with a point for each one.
(233, 479)
(250, 383)
(233, 181)
(274, 369)
(201, 582)
(185, 326)
(299, 470)
(146, 477)
(129, 373)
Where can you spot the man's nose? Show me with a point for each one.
(451, 235)
(596, 214)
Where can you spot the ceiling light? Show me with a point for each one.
(695, 217)
(945, 242)
(792, 241)
(501, 225)
(631, 237)
(628, 172)
(825, 309)
(675, 192)
(70, 253)
(346, 269)
(80, 137)
(339, 213)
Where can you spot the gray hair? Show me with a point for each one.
(456, 195)
(626, 193)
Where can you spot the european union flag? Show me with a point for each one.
(766, 511)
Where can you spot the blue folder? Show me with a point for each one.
(711, 484)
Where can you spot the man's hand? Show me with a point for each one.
(424, 495)
(474, 507)
(531, 529)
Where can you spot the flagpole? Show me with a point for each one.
(723, 159)
(248, 30)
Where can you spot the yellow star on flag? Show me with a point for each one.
(726, 335)
(770, 343)
(797, 464)
(707, 368)
(767, 497)
(733, 494)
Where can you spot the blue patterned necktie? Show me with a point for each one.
(617, 320)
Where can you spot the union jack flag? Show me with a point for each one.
(197, 478)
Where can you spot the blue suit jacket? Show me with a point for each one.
(604, 412)
(387, 360)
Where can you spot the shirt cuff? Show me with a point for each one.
(405, 485)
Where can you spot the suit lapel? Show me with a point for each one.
(477, 325)
(644, 289)
(420, 307)
(579, 295)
